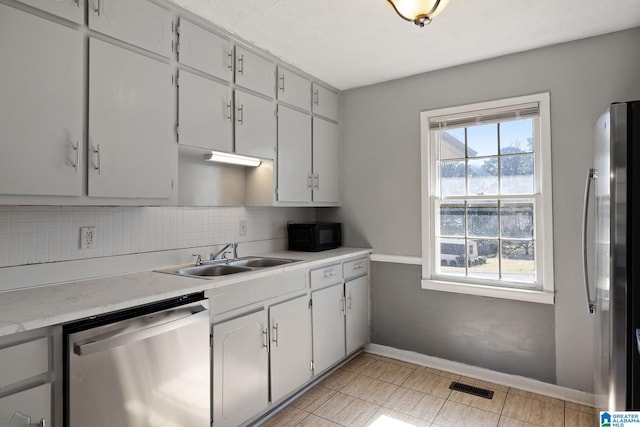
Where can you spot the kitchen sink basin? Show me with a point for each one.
(258, 262)
(212, 270)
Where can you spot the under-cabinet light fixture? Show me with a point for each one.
(420, 12)
(234, 159)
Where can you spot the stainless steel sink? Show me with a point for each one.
(260, 262)
(212, 270)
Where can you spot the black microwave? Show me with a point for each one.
(314, 237)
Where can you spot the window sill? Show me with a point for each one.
(527, 295)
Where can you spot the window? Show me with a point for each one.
(486, 199)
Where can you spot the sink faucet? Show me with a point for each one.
(224, 251)
(198, 259)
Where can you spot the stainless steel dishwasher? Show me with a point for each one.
(148, 366)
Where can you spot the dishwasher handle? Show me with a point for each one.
(97, 344)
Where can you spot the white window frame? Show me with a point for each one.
(543, 290)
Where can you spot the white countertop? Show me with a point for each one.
(37, 307)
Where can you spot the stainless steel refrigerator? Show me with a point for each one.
(614, 184)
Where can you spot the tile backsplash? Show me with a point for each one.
(40, 234)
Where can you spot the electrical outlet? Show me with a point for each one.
(87, 237)
(242, 227)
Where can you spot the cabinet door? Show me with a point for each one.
(204, 113)
(205, 51)
(73, 10)
(328, 327)
(325, 102)
(42, 109)
(254, 72)
(290, 337)
(357, 320)
(294, 156)
(27, 408)
(255, 126)
(326, 162)
(293, 89)
(131, 147)
(139, 22)
(240, 369)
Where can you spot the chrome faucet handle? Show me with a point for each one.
(198, 259)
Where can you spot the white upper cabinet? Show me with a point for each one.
(293, 89)
(205, 51)
(294, 156)
(325, 102)
(326, 161)
(255, 126)
(254, 72)
(205, 113)
(73, 10)
(131, 142)
(42, 106)
(138, 22)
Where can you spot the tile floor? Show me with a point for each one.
(377, 391)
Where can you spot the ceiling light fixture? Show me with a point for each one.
(233, 159)
(420, 12)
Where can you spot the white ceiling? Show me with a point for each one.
(350, 43)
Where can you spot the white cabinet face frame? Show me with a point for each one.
(73, 10)
(254, 72)
(240, 369)
(131, 143)
(295, 178)
(205, 51)
(41, 115)
(205, 113)
(138, 22)
(326, 161)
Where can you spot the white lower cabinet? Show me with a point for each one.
(28, 408)
(356, 292)
(247, 348)
(240, 369)
(328, 327)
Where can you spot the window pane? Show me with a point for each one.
(482, 219)
(452, 178)
(518, 260)
(452, 256)
(452, 219)
(516, 136)
(452, 144)
(516, 220)
(483, 176)
(482, 140)
(516, 174)
(484, 262)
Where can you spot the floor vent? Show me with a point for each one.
(470, 389)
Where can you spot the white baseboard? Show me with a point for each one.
(508, 380)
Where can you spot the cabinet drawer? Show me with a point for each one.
(28, 407)
(326, 276)
(356, 268)
(23, 361)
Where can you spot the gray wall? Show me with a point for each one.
(381, 195)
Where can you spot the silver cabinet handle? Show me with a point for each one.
(42, 423)
(240, 113)
(240, 67)
(591, 176)
(343, 306)
(316, 184)
(230, 60)
(309, 180)
(358, 266)
(229, 115)
(265, 340)
(96, 151)
(349, 303)
(282, 83)
(316, 97)
(274, 338)
(328, 274)
(97, 8)
(76, 148)
(77, 5)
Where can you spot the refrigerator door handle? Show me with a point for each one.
(638, 339)
(592, 175)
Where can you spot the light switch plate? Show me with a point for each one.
(242, 227)
(87, 237)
